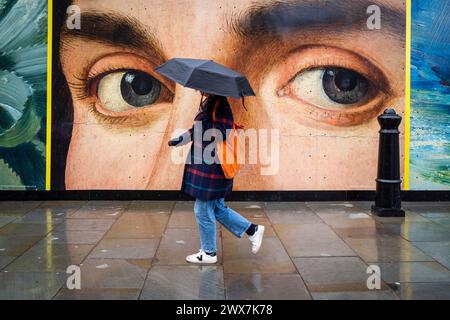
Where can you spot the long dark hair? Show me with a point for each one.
(208, 102)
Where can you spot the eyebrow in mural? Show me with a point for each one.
(115, 29)
(279, 18)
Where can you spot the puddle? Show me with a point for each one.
(358, 216)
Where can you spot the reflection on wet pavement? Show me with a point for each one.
(184, 282)
(137, 249)
(330, 274)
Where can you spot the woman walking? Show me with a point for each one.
(205, 181)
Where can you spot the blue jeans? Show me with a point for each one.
(206, 214)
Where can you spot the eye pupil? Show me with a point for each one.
(344, 86)
(139, 89)
(346, 80)
(140, 82)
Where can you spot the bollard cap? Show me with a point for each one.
(389, 120)
(389, 111)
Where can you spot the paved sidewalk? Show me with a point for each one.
(136, 250)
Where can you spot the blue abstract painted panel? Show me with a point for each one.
(23, 64)
(430, 96)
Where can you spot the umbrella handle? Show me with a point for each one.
(243, 103)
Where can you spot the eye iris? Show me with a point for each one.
(139, 89)
(344, 86)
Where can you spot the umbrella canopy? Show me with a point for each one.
(206, 76)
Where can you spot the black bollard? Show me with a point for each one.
(388, 199)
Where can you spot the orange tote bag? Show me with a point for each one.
(230, 150)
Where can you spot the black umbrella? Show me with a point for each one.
(206, 76)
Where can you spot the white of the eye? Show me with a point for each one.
(308, 86)
(110, 94)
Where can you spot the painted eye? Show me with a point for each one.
(125, 90)
(344, 86)
(331, 87)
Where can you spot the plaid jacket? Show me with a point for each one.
(203, 180)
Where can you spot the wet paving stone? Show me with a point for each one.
(192, 283)
(74, 237)
(271, 258)
(5, 260)
(423, 291)
(97, 213)
(145, 210)
(439, 218)
(386, 249)
(177, 243)
(287, 206)
(440, 251)
(270, 286)
(374, 231)
(182, 219)
(63, 203)
(29, 229)
(48, 257)
(422, 231)
(107, 204)
(135, 225)
(30, 285)
(113, 273)
(293, 217)
(98, 294)
(185, 206)
(364, 205)
(334, 208)
(151, 206)
(44, 218)
(16, 245)
(410, 216)
(393, 272)
(14, 206)
(85, 225)
(4, 220)
(17, 212)
(126, 249)
(43, 213)
(335, 274)
(355, 295)
(428, 207)
(311, 240)
(431, 215)
(348, 220)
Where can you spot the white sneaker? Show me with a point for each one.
(256, 239)
(201, 257)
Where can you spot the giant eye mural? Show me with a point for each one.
(320, 75)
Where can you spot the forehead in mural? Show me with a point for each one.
(316, 67)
